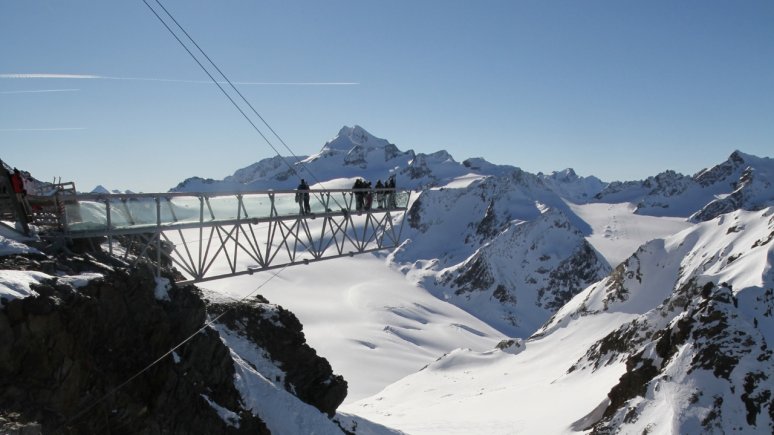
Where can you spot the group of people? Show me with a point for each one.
(364, 194)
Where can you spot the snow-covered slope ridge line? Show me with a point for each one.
(355, 153)
(675, 340)
(697, 358)
(507, 249)
(743, 181)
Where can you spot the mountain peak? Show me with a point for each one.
(350, 137)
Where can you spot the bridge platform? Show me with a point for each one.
(215, 235)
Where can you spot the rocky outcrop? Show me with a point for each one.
(707, 337)
(279, 333)
(97, 359)
(66, 355)
(741, 182)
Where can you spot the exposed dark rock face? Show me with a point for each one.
(278, 331)
(710, 337)
(720, 172)
(488, 227)
(418, 168)
(356, 157)
(572, 275)
(476, 276)
(65, 352)
(415, 215)
(67, 356)
(744, 196)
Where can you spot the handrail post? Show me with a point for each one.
(158, 237)
(109, 226)
(200, 263)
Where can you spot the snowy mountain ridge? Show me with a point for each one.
(520, 252)
(355, 153)
(675, 340)
(742, 181)
(672, 338)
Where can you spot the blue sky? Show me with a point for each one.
(618, 89)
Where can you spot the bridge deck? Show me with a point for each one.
(92, 215)
(216, 235)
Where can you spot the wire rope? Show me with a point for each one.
(166, 354)
(241, 96)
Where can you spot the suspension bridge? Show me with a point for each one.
(208, 236)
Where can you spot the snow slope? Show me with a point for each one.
(506, 249)
(372, 325)
(617, 231)
(675, 340)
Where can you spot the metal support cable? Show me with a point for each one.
(166, 354)
(255, 127)
(244, 99)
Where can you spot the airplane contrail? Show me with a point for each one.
(42, 129)
(49, 76)
(37, 91)
(152, 79)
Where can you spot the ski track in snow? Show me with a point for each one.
(617, 232)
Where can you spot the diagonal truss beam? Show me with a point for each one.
(213, 236)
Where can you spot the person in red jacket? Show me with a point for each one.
(17, 183)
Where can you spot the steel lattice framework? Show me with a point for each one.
(208, 236)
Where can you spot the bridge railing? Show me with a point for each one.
(86, 215)
(209, 236)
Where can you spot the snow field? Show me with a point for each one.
(617, 232)
(496, 392)
(372, 325)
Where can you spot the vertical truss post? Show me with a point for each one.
(109, 226)
(158, 237)
(238, 228)
(199, 264)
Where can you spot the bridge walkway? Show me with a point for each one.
(214, 235)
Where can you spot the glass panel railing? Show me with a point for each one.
(286, 205)
(93, 212)
(133, 212)
(222, 208)
(182, 209)
(86, 215)
(257, 205)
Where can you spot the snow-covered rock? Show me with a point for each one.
(743, 181)
(675, 340)
(356, 153)
(506, 249)
(571, 186)
(696, 352)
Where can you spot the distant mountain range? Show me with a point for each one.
(675, 339)
(743, 181)
(496, 240)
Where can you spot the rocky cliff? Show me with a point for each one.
(88, 350)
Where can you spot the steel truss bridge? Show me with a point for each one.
(209, 236)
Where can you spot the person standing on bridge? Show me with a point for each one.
(302, 197)
(390, 184)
